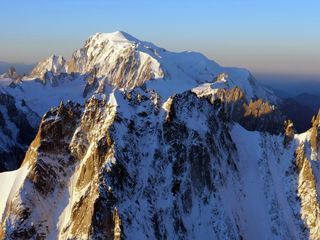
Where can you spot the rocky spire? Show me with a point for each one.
(288, 132)
(315, 137)
(54, 64)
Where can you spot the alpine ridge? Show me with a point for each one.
(131, 141)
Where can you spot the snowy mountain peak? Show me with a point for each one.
(127, 62)
(118, 36)
(54, 64)
(123, 61)
(119, 60)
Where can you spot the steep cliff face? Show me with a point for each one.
(45, 169)
(131, 165)
(18, 126)
(111, 173)
(252, 113)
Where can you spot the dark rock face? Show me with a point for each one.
(17, 132)
(45, 178)
(288, 132)
(181, 149)
(91, 83)
(11, 158)
(51, 79)
(262, 116)
(254, 115)
(315, 135)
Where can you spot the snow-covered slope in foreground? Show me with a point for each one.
(127, 165)
(10, 182)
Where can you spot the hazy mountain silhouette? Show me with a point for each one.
(21, 68)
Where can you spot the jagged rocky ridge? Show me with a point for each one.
(159, 161)
(133, 167)
(12, 74)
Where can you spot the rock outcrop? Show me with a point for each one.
(53, 64)
(12, 74)
(253, 114)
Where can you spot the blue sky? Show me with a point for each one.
(275, 36)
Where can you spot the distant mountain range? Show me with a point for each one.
(300, 94)
(290, 85)
(21, 68)
(300, 109)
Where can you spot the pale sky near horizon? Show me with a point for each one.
(275, 36)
